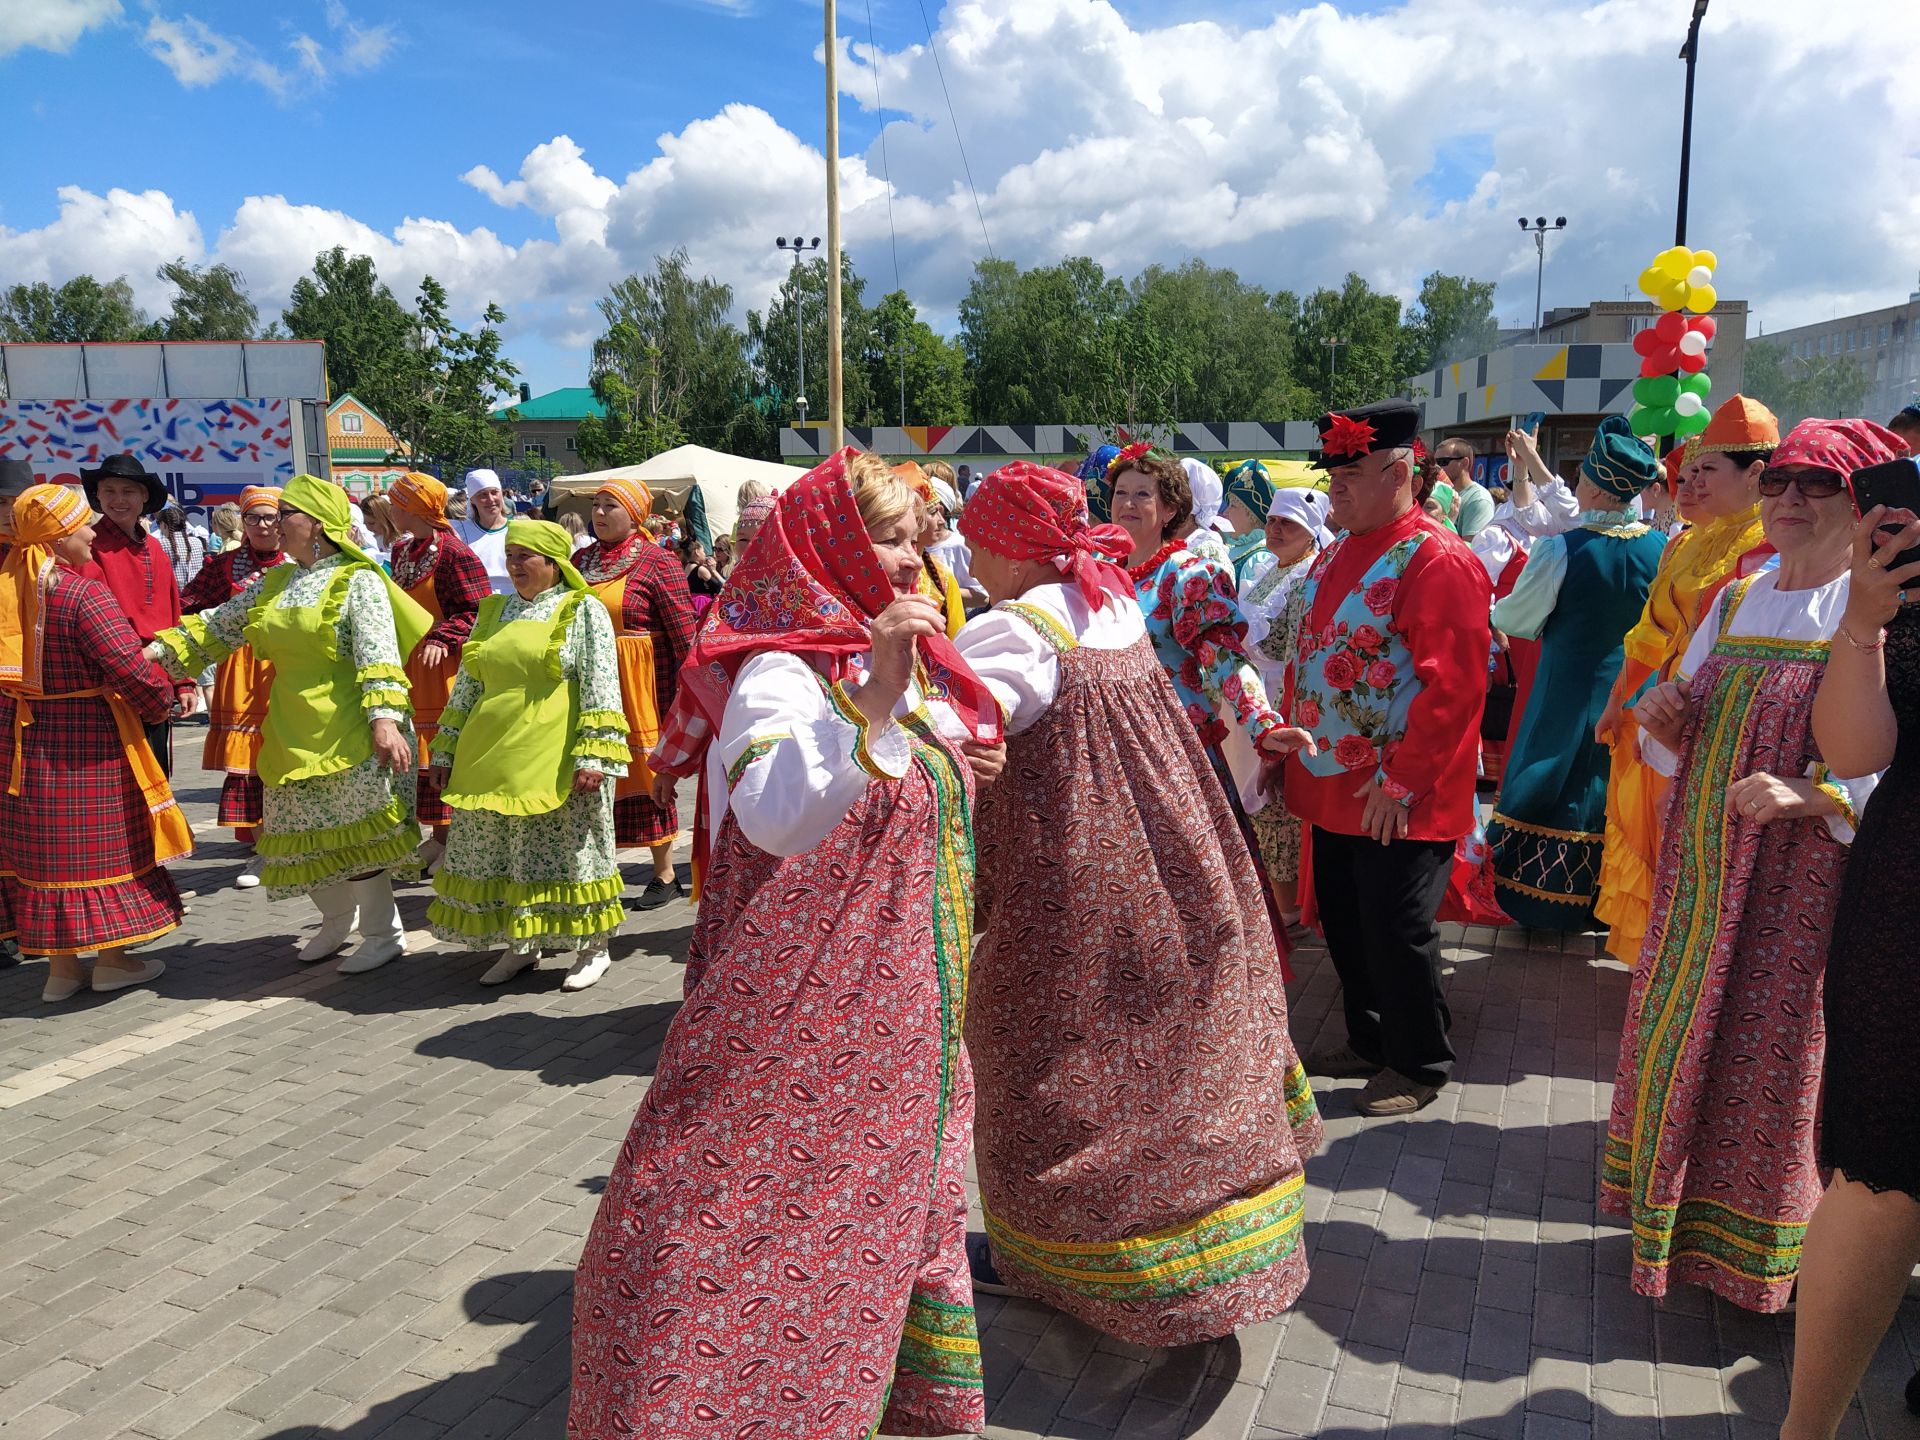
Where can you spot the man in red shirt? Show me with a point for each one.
(136, 566)
(1390, 675)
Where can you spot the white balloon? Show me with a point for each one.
(1699, 276)
(1688, 404)
(1693, 343)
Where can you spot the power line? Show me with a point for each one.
(886, 170)
(955, 122)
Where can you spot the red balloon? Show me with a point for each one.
(1671, 326)
(1646, 342)
(1704, 324)
(1692, 364)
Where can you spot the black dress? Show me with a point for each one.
(1872, 1101)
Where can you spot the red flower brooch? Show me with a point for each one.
(1347, 436)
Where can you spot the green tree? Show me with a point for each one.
(1347, 346)
(1451, 319)
(903, 350)
(1233, 339)
(771, 340)
(81, 309)
(1051, 344)
(672, 366)
(1796, 387)
(437, 392)
(210, 303)
(366, 329)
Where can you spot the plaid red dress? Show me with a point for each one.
(459, 585)
(657, 602)
(78, 838)
(238, 706)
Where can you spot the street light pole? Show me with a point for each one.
(799, 247)
(1538, 229)
(1689, 52)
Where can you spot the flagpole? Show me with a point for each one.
(836, 414)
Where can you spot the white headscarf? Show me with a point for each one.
(480, 480)
(1307, 508)
(1209, 495)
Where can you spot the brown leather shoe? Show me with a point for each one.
(1391, 1093)
(1345, 1063)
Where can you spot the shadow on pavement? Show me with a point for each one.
(562, 1049)
(521, 1392)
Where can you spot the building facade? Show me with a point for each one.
(359, 445)
(547, 427)
(1885, 344)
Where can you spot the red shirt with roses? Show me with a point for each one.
(1390, 675)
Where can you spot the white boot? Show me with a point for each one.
(591, 965)
(382, 938)
(335, 903)
(517, 958)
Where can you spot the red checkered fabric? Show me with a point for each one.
(1024, 511)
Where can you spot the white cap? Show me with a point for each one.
(948, 497)
(1306, 507)
(1209, 494)
(478, 480)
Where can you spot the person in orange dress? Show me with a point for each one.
(238, 706)
(441, 574)
(645, 591)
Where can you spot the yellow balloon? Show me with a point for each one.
(1701, 299)
(1675, 263)
(1652, 282)
(1706, 258)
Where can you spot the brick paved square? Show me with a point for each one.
(268, 1202)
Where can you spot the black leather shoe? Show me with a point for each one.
(1913, 1393)
(9, 953)
(659, 892)
(980, 1266)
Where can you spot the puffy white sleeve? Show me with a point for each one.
(1017, 663)
(1524, 612)
(1495, 547)
(798, 754)
(1554, 510)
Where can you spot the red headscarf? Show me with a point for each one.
(1842, 446)
(1025, 511)
(809, 585)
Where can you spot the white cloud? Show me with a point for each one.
(199, 56)
(51, 24)
(1295, 150)
(119, 233)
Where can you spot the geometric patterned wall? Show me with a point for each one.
(1581, 380)
(958, 442)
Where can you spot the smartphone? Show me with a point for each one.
(1896, 485)
(1531, 423)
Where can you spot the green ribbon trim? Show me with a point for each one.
(480, 894)
(336, 861)
(613, 720)
(333, 837)
(479, 929)
(617, 751)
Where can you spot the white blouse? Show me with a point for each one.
(793, 755)
(1771, 613)
(1018, 663)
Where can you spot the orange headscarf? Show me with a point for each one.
(253, 495)
(421, 495)
(634, 497)
(41, 515)
(917, 480)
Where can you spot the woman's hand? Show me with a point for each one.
(662, 789)
(987, 760)
(896, 630)
(432, 654)
(390, 747)
(1662, 713)
(1608, 729)
(587, 782)
(1879, 588)
(1288, 740)
(1763, 799)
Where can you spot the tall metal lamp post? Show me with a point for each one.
(800, 248)
(1538, 228)
(1333, 344)
(1689, 52)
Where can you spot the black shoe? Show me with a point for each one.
(9, 954)
(1913, 1393)
(986, 1279)
(659, 892)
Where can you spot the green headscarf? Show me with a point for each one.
(543, 537)
(1250, 483)
(328, 504)
(1443, 492)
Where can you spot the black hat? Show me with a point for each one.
(15, 477)
(1346, 435)
(125, 467)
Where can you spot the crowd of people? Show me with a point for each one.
(1010, 792)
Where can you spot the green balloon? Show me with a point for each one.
(1656, 391)
(1700, 383)
(1686, 425)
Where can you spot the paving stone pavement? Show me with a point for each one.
(268, 1202)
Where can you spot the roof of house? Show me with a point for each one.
(575, 402)
(372, 441)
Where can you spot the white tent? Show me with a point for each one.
(671, 474)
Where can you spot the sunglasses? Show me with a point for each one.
(1456, 459)
(1813, 484)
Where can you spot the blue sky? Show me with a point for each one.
(1391, 137)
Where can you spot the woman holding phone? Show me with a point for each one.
(1864, 1240)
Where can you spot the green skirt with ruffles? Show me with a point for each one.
(550, 880)
(336, 827)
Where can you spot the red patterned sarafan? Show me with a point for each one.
(1348, 436)
(780, 1252)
